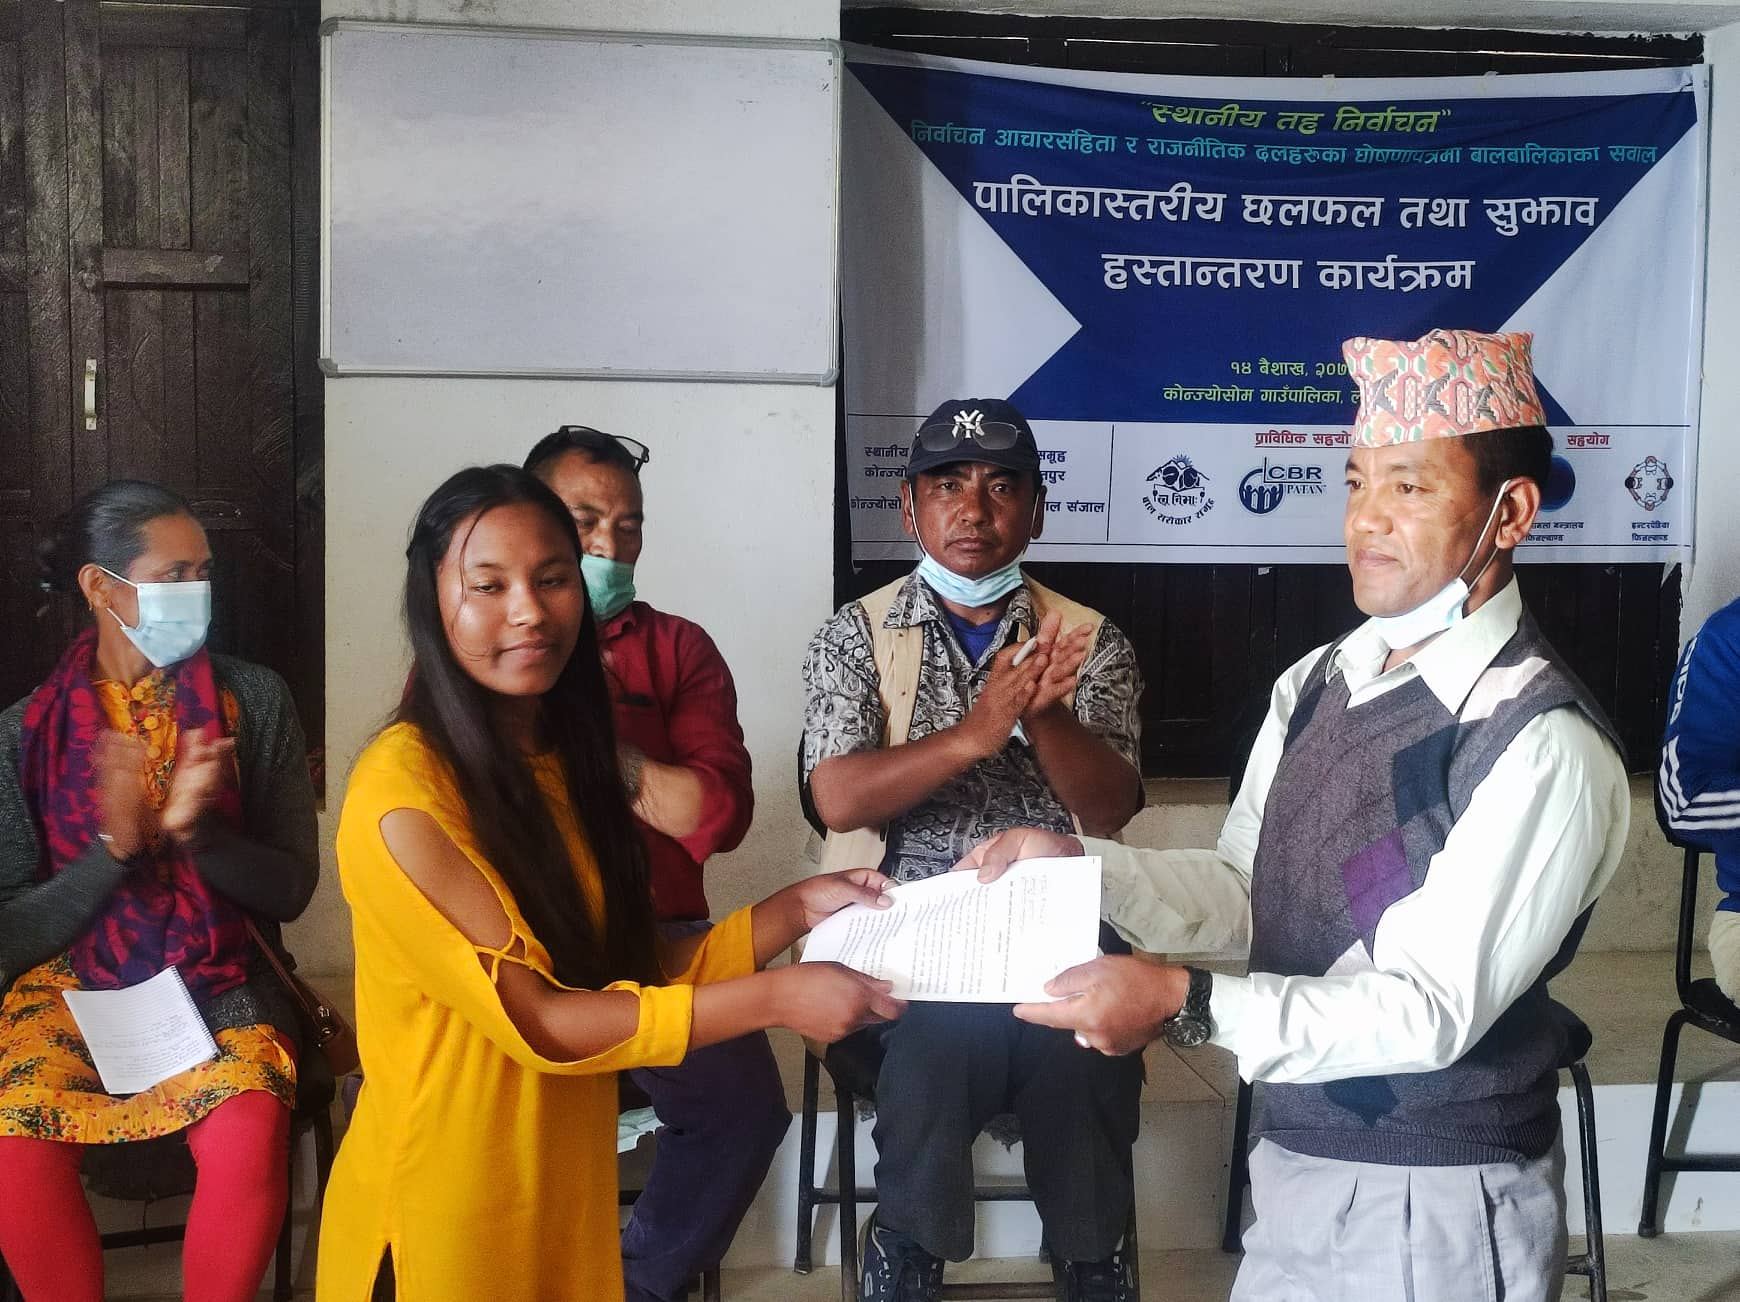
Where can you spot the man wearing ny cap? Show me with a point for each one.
(923, 736)
(1429, 813)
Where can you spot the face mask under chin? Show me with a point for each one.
(1443, 609)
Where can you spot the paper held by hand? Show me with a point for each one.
(950, 938)
(143, 1035)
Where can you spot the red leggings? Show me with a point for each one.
(242, 1150)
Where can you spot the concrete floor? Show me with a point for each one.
(1672, 1268)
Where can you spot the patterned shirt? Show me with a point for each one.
(843, 714)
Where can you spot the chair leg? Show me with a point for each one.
(806, 1191)
(1590, 1153)
(846, 1144)
(323, 1154)
(710, 1285)
(281, 1285)
(1648, 1225)
(1133, 1255)
(1238, 1170)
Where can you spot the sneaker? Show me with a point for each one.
(1094, 1281)
(893, 1268)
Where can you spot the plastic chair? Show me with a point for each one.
(1703, 1005)
(852, 1066)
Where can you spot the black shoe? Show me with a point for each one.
(1095, 1281)
(893, 1268)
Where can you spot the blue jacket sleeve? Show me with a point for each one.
(1698, 784)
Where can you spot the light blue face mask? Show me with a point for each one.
(609, 585)
(963, 591)
(1442, 610)
(174, 619)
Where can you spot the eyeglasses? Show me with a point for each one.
(968, 427)
(634, 447)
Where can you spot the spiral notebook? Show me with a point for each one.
(141, 1036)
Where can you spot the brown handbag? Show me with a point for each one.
(328, 1033)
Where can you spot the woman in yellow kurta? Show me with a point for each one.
(506, 959)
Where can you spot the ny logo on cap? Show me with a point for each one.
(969, 424)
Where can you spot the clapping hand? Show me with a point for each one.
(124, 820)
(202, 767)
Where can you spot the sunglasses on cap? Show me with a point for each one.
(968, 427)
(634, 447)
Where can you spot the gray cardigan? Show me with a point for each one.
(269, 869)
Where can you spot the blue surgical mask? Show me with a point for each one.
(609, 585)
(963, 591)
(981, 591)
(1442, 610)
(174, 619)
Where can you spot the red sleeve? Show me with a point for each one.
(706, 738)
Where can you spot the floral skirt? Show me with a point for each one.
(50, 1090)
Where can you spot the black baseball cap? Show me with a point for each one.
(974, 429)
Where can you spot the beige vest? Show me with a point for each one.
(899, 656)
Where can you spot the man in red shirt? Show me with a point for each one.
(683, 761)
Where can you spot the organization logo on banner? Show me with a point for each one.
(1180, 492)
(1649, 482)
(1561, 485)
(1265, 487)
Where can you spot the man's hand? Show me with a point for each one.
(202, 768)
(1114, 1004)
(991, 859)
(819, 897)
(1065, 655)
(1006, 696)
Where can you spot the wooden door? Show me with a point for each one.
(35, 460)
(185, 228)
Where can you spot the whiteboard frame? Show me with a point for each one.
(330, 367)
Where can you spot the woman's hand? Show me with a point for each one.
(123, 812)
(827, 1002)
(822, 896)
(785, 915)
(991, 859)
(202, 767)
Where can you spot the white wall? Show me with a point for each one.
(1715, 576)
(740, 487)
(739, 498)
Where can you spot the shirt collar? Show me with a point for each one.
(916, 604)
(621, 622)
(1451, 662)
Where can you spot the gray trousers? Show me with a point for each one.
(1329, 1231)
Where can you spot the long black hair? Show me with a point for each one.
(509, 817)
(105, 527)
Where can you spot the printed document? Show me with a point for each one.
(143, 1035)
(951, 938)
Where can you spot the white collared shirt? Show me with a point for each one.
(1542, 835)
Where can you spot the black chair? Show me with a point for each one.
(852, 1066)
(1703, 1005)
(628, 1096)
(163, 1168)
(1591, 1263)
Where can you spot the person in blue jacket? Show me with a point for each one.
(1698, 787)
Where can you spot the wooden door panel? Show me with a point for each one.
(35, 463)
(192, 263)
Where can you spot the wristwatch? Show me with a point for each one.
(1192, 1024)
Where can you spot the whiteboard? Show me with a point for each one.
(503, 201)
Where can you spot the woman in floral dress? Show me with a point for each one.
(153, 797)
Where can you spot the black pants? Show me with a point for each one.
(948, 1069)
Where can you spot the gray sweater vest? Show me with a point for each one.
(1361, 801)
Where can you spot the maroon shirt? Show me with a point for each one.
(675, 700)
